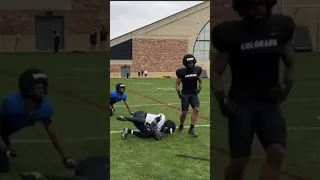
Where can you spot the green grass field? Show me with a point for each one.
(303, 118)
(79, 93)
(78, 90)
(138, 159)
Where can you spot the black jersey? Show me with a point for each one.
(254, 54)
(189, 79)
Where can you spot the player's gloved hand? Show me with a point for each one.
(281, 91)
(32, 176)
(11, 153)
(131, 113)
(69, 163)
(198, 90)
(227, 107)
(179, 94)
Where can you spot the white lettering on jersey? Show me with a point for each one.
(190, 75)
(259, 44)
(152, 117)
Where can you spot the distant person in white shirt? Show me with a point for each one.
(148, 125)
(145, 73)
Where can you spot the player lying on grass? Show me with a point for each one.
(23, 109)
(149, 125)
(119, 95)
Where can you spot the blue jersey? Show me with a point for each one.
(114, 97)
(14, 115)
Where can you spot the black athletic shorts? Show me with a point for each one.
(191, 99)
(266, 121)
(144, 129)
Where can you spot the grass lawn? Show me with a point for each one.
(78, 89)
(138, 159)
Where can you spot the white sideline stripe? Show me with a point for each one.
(62, 139)
(140, 105)
(26, 141)
(205, 125)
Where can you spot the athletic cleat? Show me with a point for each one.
(125, 133)
(121, 118)
(193, 133)
(180, 129)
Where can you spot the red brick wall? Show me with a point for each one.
(84, 16)
(115, 68)
(156, 55)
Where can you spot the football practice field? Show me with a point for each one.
(78, 90)
(147, 159)
(302, 113)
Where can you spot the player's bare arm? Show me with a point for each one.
(55, 141)
(127, 106)
(200, 83)
(3, 146)
(178, 82)
(288, 60)
(219, 66)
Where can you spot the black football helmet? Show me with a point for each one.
(120, 86)
(169, 127)
(29, 78)
(189, 58)
(243, 8)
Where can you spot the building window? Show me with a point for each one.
(202, 46)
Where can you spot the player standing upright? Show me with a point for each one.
(25, 108)
(253, 48)
(119, 95)
(189, 76)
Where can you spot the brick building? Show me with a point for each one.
(35, 21)
(160, 46)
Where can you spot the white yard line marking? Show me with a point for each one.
(205, 125)
(141, 105)
(104, 138)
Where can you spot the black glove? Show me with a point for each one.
(69, 163)
(11, 153)
(179, 94)
(281, 91)
(198, 90)
(227, 107)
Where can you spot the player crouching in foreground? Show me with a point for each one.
(149, 125)
(23, 109)
(119, 95)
